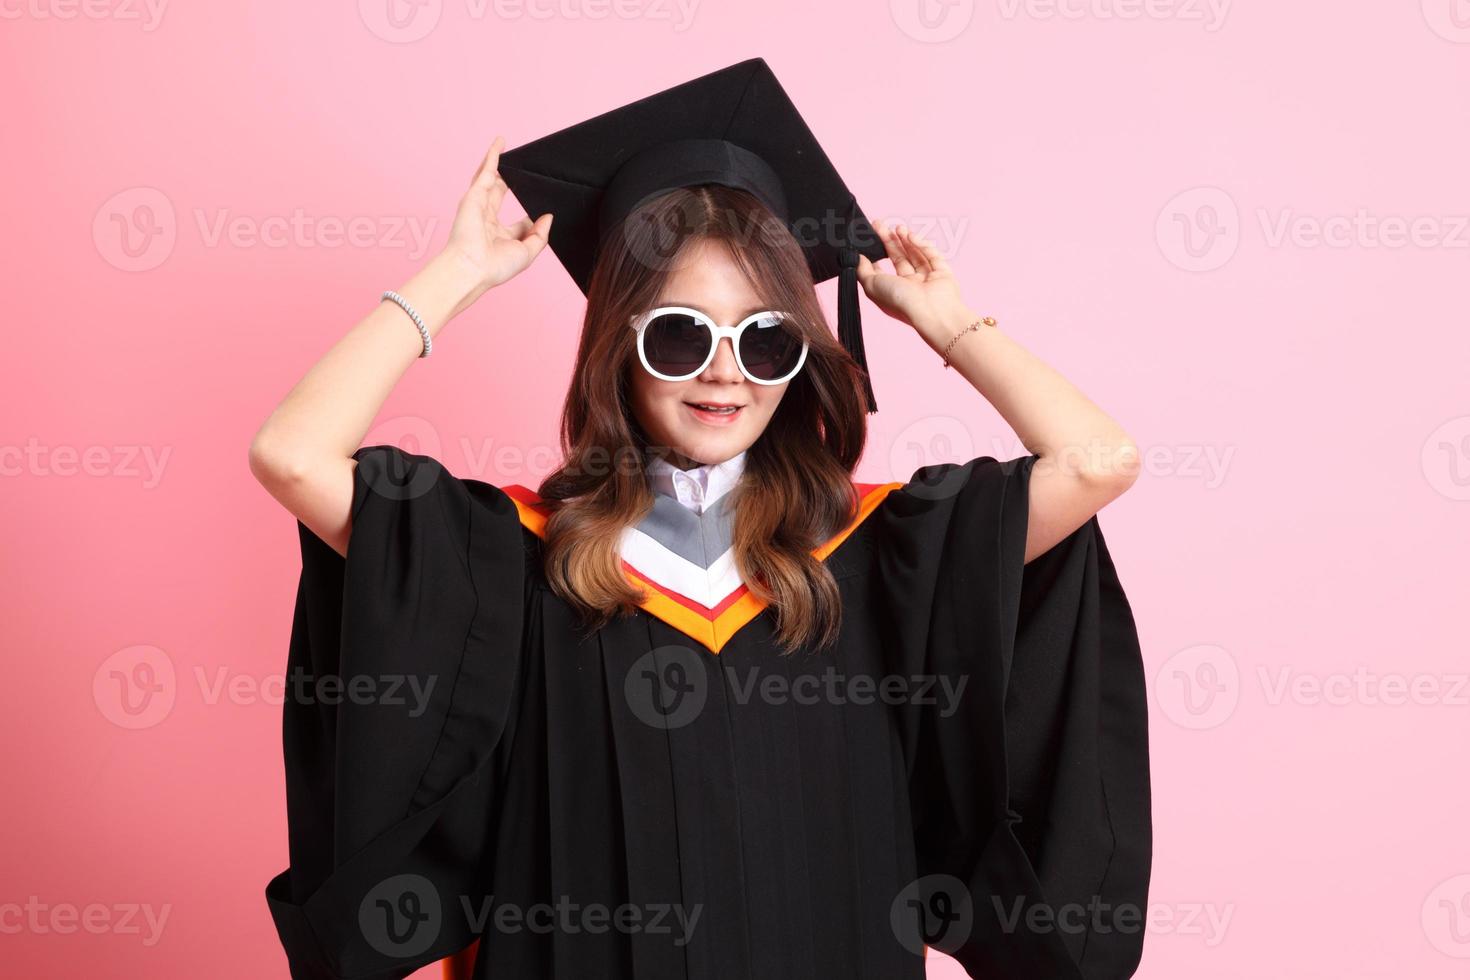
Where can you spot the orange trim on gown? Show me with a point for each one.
(712, 627)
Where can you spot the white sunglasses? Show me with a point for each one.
(676, 343)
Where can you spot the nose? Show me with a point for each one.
(724, 366)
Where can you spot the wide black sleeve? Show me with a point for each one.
(400, 701)
(1030, 786)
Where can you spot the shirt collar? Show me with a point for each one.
(699, 487)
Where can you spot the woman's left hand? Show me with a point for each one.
(921, 291)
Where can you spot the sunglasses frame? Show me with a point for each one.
(640, 323)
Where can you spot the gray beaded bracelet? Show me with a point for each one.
(417, 320)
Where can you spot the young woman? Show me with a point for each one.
(700, 706)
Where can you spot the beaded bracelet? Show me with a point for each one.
(417, 320)
(989, 321)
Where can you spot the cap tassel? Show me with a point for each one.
(849, 318)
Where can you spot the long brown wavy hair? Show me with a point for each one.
(795, 491)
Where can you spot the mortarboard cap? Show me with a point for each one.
(735, 127)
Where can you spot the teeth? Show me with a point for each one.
(711, 408)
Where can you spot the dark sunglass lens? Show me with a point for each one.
(675, 343)
(770, 348)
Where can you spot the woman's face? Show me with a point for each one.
(706, 279)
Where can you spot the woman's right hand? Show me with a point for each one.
(495, 251)
(303, 454)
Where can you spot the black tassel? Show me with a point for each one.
(849, 318)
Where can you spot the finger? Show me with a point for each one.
(865, 271)
(520, 228)
(899, 253)
(915, 250)
(494, 195)
(935, 258)
(537, 238)
(890, 246)
(489, 167)
(932, 256)
(480, 167)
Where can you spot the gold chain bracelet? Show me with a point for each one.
(989, 321)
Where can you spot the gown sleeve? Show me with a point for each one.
(399, 703)
(1030, 788)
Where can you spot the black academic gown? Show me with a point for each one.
(628, 805)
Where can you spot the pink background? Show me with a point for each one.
(1240, 230)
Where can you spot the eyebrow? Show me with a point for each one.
(762, 308)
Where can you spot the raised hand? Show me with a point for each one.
(921, 291)
(497, 252)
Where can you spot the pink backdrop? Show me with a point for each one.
(1240, 228)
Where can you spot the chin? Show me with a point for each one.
(707, 447)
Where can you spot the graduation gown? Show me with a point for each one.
(472, 778)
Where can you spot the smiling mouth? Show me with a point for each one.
(714, 408)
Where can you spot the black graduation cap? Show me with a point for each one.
(735, 127)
